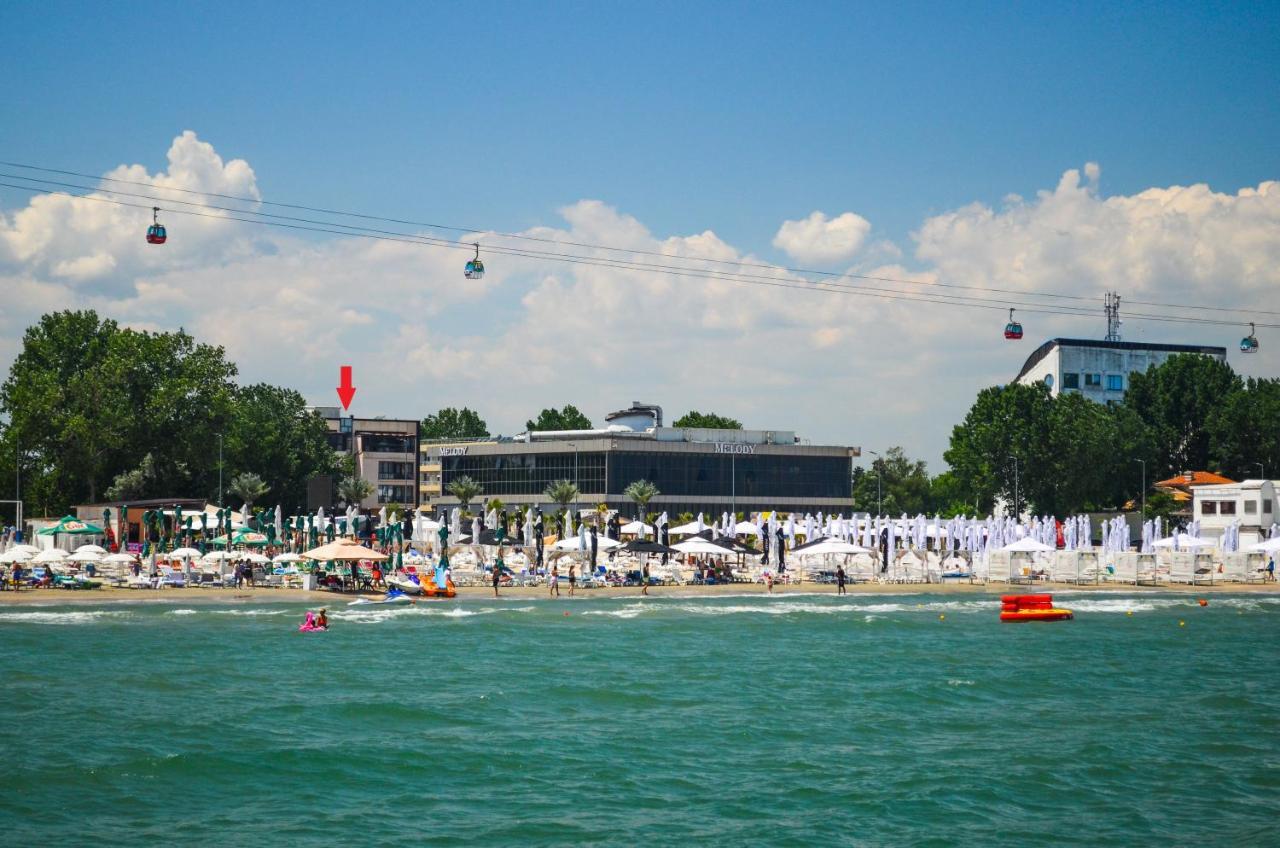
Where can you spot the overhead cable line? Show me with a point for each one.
(587, 245)
(829, 286)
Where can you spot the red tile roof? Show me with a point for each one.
(1189, 479)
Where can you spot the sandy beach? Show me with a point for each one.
(107, 595)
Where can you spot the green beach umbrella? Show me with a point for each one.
(73, 526)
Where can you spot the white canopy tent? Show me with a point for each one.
(1182, 542)
(1028, 545)
(1270, 546)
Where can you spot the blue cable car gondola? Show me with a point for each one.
(155, 232)
(475, 268)
(1249, 344)
(1012, 330)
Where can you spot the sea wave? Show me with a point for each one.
(70, 617)
(790, 607)
(365, 615)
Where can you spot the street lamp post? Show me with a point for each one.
(1262, 470)
(219, 471)
(879, 499)
(1144, 487)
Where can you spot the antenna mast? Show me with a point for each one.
(1111, 305)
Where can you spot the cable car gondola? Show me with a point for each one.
(1012, 330)
(475, 268)
(155, 232)
(1249, 344)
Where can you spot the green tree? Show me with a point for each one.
(1004, 435)
(569, 418)
(563, 492)
(353, 490)
(87, 401)
(450, 423)
(641, 492)
(136, 484)
(465, 490)
(1176, 399)
(1244, 430)
(274, 432)
(250, 488)
(903, 485)
(708, 420)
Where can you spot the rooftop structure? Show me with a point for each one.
(386, 454)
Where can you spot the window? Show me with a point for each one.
(1226, 508)
(1048, 380)
(395, 470)
(1071, 381)
(1093, 380)
(395, 494)
(1208, 507)
(380, 443)
(1266, 507)
(1115, 382)
(1250, 507)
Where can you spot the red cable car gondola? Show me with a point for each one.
(155, 232)
(1012, 330)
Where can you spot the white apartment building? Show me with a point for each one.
(1099, 369)
(1251, 502)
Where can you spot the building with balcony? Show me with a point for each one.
(385, 452)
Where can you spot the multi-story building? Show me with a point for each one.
(385, 452)
(696, 470)
(1099, 370)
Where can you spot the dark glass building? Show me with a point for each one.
(696, 470)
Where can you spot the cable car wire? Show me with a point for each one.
(801, 284)
(632, 251)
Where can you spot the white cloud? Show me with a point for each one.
(822, 240)
(855, 369)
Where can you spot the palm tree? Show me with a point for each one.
(465, 490)
(562, 492)
(353, 490)
(249, 488)
(641, 491)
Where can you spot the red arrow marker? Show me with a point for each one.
(346, 391)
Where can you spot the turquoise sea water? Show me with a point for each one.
(730, 721)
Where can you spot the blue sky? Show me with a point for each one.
(689, 117)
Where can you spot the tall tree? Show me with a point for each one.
(249, 488)
(641, 491)
(1176, 399)
(708, 420)
(1004, 435)
(450, 423)
(563, 492)
(353, 490)
(903, 485)
(569, 418)
(1244, 430)
(465, 490)
(273, 432)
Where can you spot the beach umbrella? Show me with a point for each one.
(344, 550)
(73, 526)
(125, 558)
(185, 553)
(1027, 544)
(220, 556)
(50, 555)
(644, 546)
(257, 559)
(15, 555)
(286, 557)
(580, 543)
(94, 549)
(85, 556)
(1270, 546)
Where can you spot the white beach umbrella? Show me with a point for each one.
(1182, 541)
(581, 543)
(685, 529)
(119, 558)
(31, 549)
(14, 555)
(185, 553)
(287, 557)
(1270, 546)
(93, 549)
(829, 547)
(1026, 543)
(747, 528)
(85, 556)
(50, 555)
(700, 546)
(636, 528)
(256, 558)
(221, 556)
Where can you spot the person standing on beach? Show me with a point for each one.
(573, 578)
(644, 578)
(497, 578)
(840, 576)
(553, 584)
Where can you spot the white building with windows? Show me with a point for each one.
(1251, 502)
(1099, 369)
